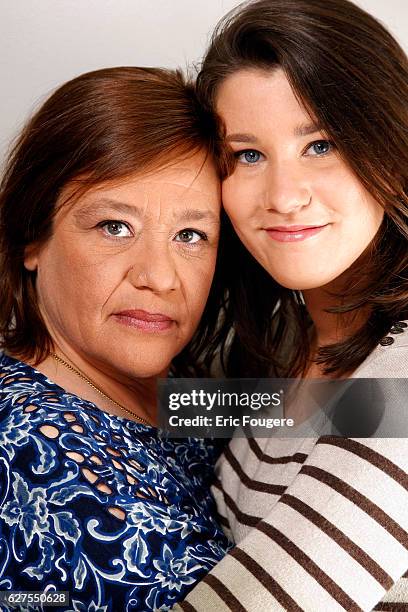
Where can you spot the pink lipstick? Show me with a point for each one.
(146, 321)
(293, 233)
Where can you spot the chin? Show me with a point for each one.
(149, 374)
(303, 284)
(150, 366)
(141, 364)
(143, 371)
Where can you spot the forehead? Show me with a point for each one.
(195, 173)
(185, 182)
(257, 96)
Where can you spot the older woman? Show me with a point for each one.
(110, 220)
(313, 95)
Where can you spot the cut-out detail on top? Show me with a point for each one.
(89, 475)
(30, 408)
(113, 451)
(142, 495)
(49, 431)
(75, 456)
(103, 488)
(96, 459)
(69, 417)
(117, 512)
(136, 465)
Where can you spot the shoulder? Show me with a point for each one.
(19, 379)
(35, 413)
(390, 358)
(24, 390)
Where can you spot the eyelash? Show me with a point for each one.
(103, 224)
(239, 154)
(202, 235)
(317, 142)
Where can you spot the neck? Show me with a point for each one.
(139, 396)
(331, 328)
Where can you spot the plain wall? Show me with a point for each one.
(46, 42)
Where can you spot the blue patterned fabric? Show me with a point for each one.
(99, 505)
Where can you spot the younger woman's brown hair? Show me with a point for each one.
(352, 77)
(101, 126)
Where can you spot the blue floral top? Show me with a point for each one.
(99, 505)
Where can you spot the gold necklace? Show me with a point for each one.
(81, 375)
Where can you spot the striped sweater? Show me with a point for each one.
(320, 525)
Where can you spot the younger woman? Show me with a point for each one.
(313, 96)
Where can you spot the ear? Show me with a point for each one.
(31, 257)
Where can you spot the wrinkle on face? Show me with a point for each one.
(85, 275)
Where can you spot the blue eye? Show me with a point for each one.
(190, 236)
(319, 148)
(116, 229)
(249, 156)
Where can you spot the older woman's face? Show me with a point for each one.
(124, 278)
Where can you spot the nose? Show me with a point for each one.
(287, 190)
(154, 268)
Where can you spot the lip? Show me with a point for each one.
(144, 320)
(294, 233)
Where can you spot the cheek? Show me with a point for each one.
(197, 278)
(241, 203)
(70, 277)
(376, 215)
(236, 199)
(364, 214)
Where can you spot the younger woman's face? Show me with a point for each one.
(295, 204)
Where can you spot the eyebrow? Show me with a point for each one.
(299, 131)
(193, 214)
(249, 138)
(107, 204)
(307, 129)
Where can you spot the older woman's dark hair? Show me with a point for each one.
(99, 127)
(352, 77)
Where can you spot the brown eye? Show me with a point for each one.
(190, 236)
(116, 228)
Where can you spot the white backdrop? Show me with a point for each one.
(46, 42)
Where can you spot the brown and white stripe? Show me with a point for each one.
(320, 525)
(335, 537)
